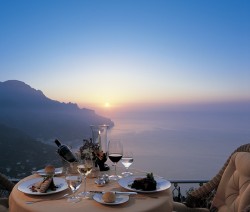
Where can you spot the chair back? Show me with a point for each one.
(5, 185)
(233, 192)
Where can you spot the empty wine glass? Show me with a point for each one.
(115, 151)
(84, 167)
(127, 160)
(74, 180)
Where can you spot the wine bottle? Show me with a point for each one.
(65, 152)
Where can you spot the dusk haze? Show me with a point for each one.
(170, 78)
(125, 54)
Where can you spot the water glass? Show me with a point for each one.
(127, 160)
(85, 167)
(74, 180)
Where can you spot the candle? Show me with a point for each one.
(99, 140)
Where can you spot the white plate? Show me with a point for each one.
(119, 199)
(162, 184)
(57, 171)
(26, 185)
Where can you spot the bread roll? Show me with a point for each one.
(109, 197)
(50, 169)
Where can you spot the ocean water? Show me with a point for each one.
(181, 145)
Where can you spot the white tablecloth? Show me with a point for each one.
(153, 202)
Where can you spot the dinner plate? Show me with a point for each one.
(25, 186)
(57, 171)
(120, 199)
(162, 184)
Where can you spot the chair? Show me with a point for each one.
(6, 187)
(231, 187)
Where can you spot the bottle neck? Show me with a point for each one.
(58, 143)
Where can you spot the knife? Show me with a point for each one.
(116, 192)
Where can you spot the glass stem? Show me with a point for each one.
(115, 170)
(84, 187)
(73, 194)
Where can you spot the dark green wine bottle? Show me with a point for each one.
(65, 152)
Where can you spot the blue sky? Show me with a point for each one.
(124, 53)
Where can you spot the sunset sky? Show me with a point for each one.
(127, 53)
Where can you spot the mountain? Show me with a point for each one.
(20, 153)
(30, 111)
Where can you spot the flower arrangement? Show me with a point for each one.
(94, 149)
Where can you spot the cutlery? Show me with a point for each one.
(42, 200)
(116, 192)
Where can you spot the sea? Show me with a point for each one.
(181, 145)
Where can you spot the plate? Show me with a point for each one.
(162, 184)
(26, 185)
(120, 199)
(57, 171)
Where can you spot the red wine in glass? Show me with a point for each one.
(115, 152)
(115, 157)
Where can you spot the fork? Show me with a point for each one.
(43, 200)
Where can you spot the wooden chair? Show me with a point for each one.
(6, 187)
(231, 187)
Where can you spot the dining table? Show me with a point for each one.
(158, 201)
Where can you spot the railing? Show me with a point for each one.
(178, 191)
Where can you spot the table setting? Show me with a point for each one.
(138, 200)
(81, 185)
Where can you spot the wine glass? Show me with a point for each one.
(127, 160)
(115, 151)
(84, 167)
(74, 180)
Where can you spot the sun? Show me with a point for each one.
(107, 104)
